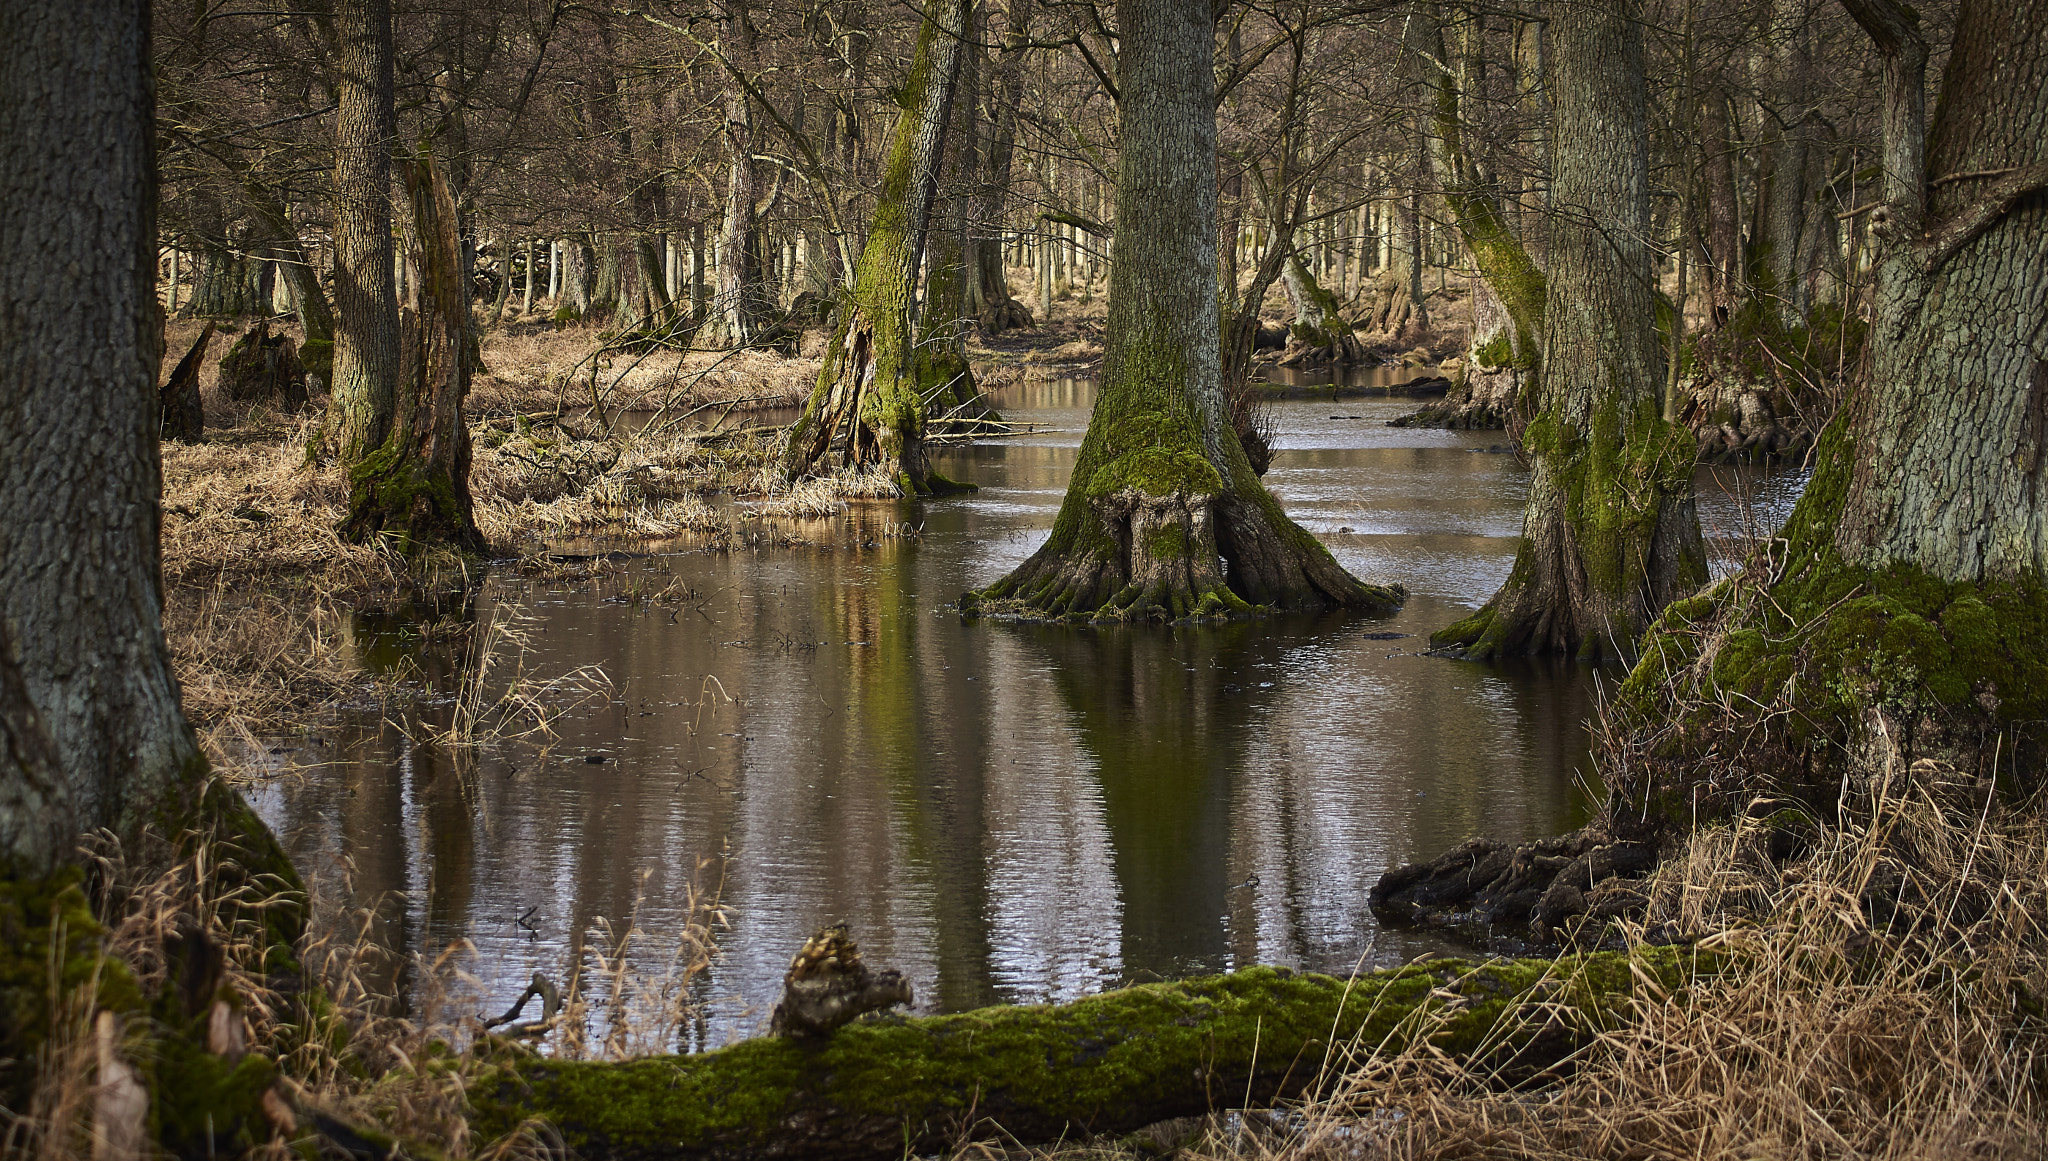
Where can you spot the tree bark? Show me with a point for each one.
(870, 404)
(1923, 490)
(364, 394)
(81, 636)
(413, 490)
(1164, 517)
(1889, 634)
(1109, 1063)
(1610, 535)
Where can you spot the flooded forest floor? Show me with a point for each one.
(1822, 1034)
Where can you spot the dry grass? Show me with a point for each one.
(535, 367)
(1882, 999)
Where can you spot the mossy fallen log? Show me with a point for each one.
(1109, 1063)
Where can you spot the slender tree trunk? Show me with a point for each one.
(366, 360)
(739, 304)
(869, 407)
(1164, 517)
(526, 294)
(1501, 360)
(998, 310)
(1724, 237)
(1610, 535)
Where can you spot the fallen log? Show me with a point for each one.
(1109, 1063)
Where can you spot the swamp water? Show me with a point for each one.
(1006, 813)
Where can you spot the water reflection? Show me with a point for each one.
(1003, 812)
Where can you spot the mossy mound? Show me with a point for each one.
(1777, 683)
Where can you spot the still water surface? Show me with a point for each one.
(1004, 812)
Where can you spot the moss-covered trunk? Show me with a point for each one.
(1501, 360)
(1110, 1063)
(1610, 534)
(1163, 517)
(1319, 334)
(413, 489)
(1890, 632)
(879, 381)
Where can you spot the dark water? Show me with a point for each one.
(1006, 813)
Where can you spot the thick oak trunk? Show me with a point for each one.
(1164, 517)
(1110, 1063)
(1610, 535)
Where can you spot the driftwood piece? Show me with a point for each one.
(828, 986)
(183, 416)
(1109, 1063)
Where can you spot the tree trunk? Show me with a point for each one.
(1890, 633)
(576, 255)
(1164, 518)
(997, 310)
(81, 636)
(605, 285)
(1501, 360)
(309, 300)
(869, 407)
(364, 393)
(1782, 195)
(1610, 535)
(220, 286)
(738, 299)
(1106, 1064)
(413, 490)
(526, 292)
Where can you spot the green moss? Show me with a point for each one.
(1796, 668)
(1145, 1052)
(52, 965)
(317, 357)
(1498, 351)
(415, 510)
(1165, 541)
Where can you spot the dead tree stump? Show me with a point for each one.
(182, 415)
(263, 368)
